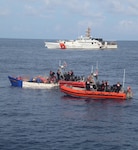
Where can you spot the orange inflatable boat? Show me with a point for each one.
(94, 94)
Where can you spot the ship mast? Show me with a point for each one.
(88, 32)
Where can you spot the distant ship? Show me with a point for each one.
(82, 42)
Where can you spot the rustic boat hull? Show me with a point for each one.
(31, 85)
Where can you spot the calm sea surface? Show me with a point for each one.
(49, 120)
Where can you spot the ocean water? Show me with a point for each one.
(50, 120)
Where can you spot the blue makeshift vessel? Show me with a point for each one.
(38, 83)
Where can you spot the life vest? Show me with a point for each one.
(62, 46)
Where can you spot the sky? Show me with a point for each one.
(68, 19)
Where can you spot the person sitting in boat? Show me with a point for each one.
(117, 87)
(91, 80)
(107, 87)
(87, 84)
(19, 78)
(103, 86)
(67, 76)
(51, 74)
(33, 79)
(71, 75)
(52, 78)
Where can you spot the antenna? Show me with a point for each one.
(97, 65)
(124, 79)
(88, 32)
(59, 63)
(92, 69)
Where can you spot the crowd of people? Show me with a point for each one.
(67, 76)
(92, 84)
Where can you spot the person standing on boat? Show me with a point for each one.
(96, 74)
(58, 75)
